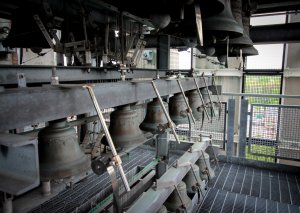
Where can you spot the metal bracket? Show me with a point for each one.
(201, 97)
(199, 23)
(116, 158)
(210, 100)
(186, 102)
(115, 186)
(44, 30)
(170, 124)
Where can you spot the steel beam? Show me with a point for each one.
(42, 74)
(27, 106)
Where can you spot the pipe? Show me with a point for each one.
(277, 33)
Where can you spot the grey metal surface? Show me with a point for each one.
(19, 108)
(19, 164)
(230, 127)
(163, 52)
(154, 198)
(243, 127)
(239, 188)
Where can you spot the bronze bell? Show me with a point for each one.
(178, 109)
(242, 41)
(154, 116)
(124, 128)
(174, 203)
(195, 104)
(162, 209)
(140, 108)
(246, 51)
(206, 171)
(59, 152)
(222, 24)
(190, 179)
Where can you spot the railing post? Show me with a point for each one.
(230, 127)
(243, 128)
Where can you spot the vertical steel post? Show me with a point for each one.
(243, 128)
(163, 52)
(230, 127)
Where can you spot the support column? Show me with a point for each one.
(162, 152)
(163, 52)
(243, 128)
(230, 128)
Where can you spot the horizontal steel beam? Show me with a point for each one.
(42, 74)
(277, 33)
(260, 95)
(27, 106)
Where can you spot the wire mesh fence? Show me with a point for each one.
(215, 127)
(274, 131)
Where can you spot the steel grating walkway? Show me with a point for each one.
(238, 188)
(95, 187)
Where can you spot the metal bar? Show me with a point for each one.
(214, 84)
(186, 102)
(230, 127)
(199, 23)
(170, 124)
(243, 128)
(206, 86)
(260, 95)
(42, 74)
(21, 107)
(116, 158)
(163, 52)
(201, 97)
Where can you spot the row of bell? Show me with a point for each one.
(193, 182)
(127, 122)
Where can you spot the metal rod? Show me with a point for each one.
(171, 125)
(116, 157)
(202, 100)
(210, 100)
(186, 102)
(214, 84)
(181, 200)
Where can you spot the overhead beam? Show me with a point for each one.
(42, 74)
(277, 33)
(27, 106)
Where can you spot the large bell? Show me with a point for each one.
(154, 116)
(193, 180)
(236, 6)
(174, 203)
(195, 104)
(124, 128)
(247, 51)
(59, 152)
(178, 109)
(140, 110)
(222, 24)
(206, 171)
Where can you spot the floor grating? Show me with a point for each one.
(238, 188)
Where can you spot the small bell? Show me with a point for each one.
(155, 116)
(174, 203)
(194, 181)
(178, 109)
(206, 172)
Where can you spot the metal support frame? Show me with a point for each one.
(243, 128)
(153, 198)
(163, 52)
(21, 107)
(230, 127)
(162, 153)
